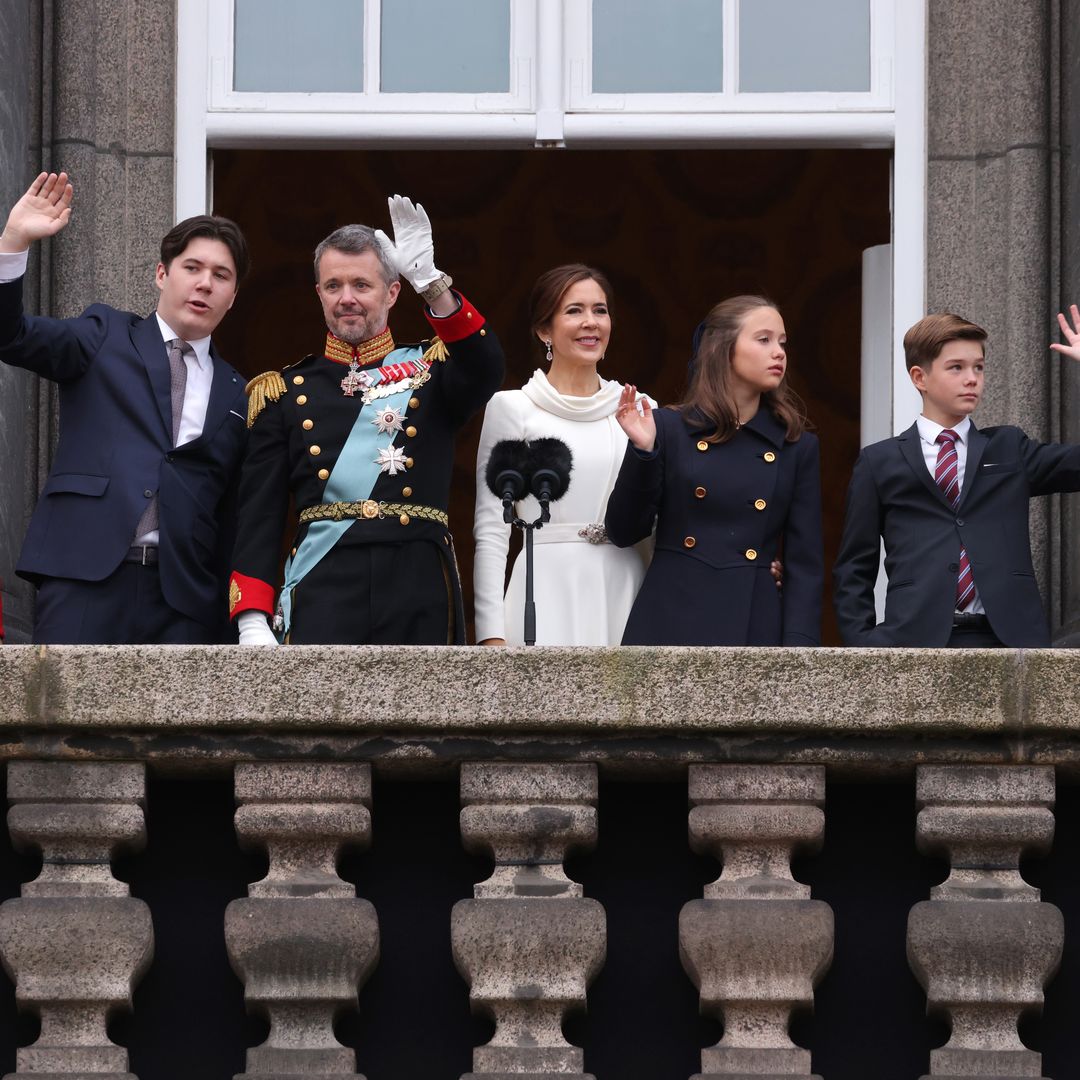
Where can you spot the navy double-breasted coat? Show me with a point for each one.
(723, 512)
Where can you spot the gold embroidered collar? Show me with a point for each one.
(367, 352)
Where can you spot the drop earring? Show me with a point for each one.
(547, 355)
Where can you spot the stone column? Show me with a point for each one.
(756, 945)
(993, 218)
(76, 942)
(528, 943)
(302, 942)
(1065, 552)
(983, 945)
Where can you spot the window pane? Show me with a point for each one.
(800, 46)
(658, 46)
(282, 45)
(441, 47)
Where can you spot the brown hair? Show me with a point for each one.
(925, 340)
(551, 287)
(174, 243)
(709, 397)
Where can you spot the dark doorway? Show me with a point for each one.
(675, 230)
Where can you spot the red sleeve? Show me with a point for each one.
(249, 594)
(465, 322)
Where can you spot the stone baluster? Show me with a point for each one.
(756, 945)
(528, 943)
(984, 945)
(302, 942)
(76, 941)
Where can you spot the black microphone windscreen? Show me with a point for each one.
(509, 455)
(554, 455)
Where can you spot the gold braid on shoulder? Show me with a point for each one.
(269, 386)
(436, 350)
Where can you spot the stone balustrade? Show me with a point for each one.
(757, 737)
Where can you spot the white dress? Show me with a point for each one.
(583, 591)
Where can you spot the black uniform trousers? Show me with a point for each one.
(375, 594)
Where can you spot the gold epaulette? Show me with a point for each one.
(269, 386)
(436, 350)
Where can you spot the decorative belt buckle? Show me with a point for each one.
(594, 533)
(369, 508)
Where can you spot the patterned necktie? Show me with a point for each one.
(149, 521)
(947, 476)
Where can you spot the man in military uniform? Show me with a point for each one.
(362, 437)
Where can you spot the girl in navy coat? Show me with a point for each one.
(730, 478)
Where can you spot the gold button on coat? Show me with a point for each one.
(298, 380)
(760, 504)
(309, 424)
(302, 399)
(408, 463)
(404, 519)
(689, 542)
(414, 403)
(314, 451)
(324, 474)
(483, 333)
(769, 455)
(406, 492)
(702, 445)
(751, 554)
(699, 492)
(410, 431)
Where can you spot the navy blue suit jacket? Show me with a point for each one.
(893, 497)
(723, 512)
(115, 451)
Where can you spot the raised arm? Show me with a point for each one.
(43, 211)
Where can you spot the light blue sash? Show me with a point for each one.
(352, 480)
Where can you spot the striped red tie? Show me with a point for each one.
(947, 476)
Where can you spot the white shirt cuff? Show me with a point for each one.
(13, 265)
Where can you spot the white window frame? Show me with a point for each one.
(221, 48)
(546, 33)
(581, 98)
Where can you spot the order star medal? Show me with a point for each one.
(388, 420)
(391, 460)
(355, 380)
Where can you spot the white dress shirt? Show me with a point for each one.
(929, 430)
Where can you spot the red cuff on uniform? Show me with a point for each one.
(460, 325)
(249, 594)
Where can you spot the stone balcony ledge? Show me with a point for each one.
(419, 711)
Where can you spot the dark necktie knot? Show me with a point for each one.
(947, 435)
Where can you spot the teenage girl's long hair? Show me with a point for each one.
(709, 400)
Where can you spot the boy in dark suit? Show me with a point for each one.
(951, 504)
(127, 544)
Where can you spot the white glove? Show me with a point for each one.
(255, 629)
(412, 251)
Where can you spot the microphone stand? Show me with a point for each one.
(528, 527)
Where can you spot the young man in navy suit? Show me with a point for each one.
(951, 504)
(127, 543)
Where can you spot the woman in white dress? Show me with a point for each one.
(583, 585)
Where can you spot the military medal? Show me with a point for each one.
(391, 460)
(355, 380)
(388, 420)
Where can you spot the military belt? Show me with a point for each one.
(372, 509)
